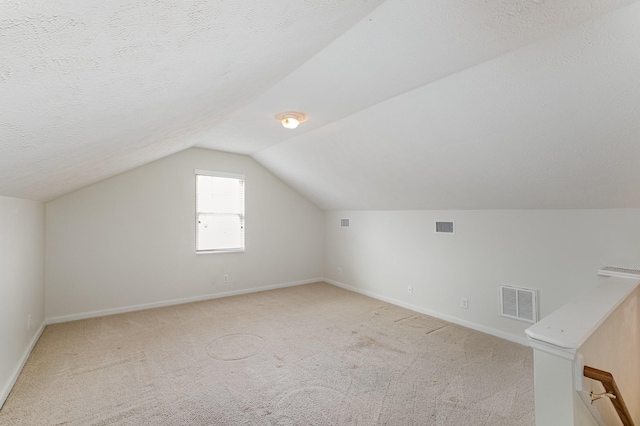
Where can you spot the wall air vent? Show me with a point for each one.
(519, 303)
(611, 271)
(445, 227)
(344, 223)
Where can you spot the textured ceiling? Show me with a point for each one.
(90, 88)
(412, 104)
(400, 46)
(553, 124)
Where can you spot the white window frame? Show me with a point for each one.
(242, 213)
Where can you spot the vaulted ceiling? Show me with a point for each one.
(413, 104)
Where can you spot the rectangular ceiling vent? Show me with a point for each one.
(344, 223)
(518, 303)
(445, 227)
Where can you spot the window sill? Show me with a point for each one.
(219, 251)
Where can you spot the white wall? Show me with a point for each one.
(555, 251)
(554, 391)
(22, 264)
(130, 240)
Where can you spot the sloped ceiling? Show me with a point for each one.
(92, 88)
(413, 104)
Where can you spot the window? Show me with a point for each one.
(219, 212)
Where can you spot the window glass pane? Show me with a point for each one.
(220, 195)
(217, 232)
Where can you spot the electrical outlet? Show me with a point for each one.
(225, 278)
(339, 271)
(464, 303)
(29, 322)
(410, 289)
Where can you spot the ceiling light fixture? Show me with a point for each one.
(291, 119)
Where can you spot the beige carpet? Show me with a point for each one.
(307, 355)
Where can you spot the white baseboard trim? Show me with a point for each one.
(132, 308)
(521, 340)
(4, 394)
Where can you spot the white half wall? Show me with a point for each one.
(22, 265)
(557, 252)
(129, 242)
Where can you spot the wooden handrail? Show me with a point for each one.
(610, 386)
